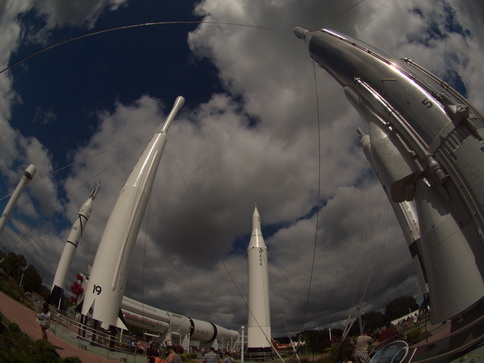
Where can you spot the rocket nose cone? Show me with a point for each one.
(300, 32)
(30, 171)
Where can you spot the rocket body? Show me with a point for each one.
(425, 143)
(27, 177)
(105, 289)
(70, 248)
(259, 318)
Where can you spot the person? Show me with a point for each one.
(211, 356)
(363, 344)
(228, 358)
(388, 335)
(43, 318)
(172, 356)
(157, 358)
(150, 353)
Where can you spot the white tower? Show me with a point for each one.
(259, 316)
(27, 177)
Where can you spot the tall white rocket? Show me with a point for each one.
(107, 281)
(70, 248)
(259, 315)
(27, 177)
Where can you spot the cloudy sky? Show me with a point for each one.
(248, 134)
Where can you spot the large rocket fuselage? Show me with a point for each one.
(425, 143)
(107, 280)
(161, 321)
(259, 318)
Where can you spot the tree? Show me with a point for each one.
(316, 340)
(13, 265)
(373, 320)
(283, 340)
(32, 280)
(399, 307)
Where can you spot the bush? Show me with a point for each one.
(10, 289)
(413, 336)
(72, 360)
(44, 352)
(17, 347)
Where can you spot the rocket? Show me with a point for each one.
(259, 316)
(425, 143)
(27, 177)
(70, 248)
(107, 281)
(406, 214)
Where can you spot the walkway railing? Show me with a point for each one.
(95, 341)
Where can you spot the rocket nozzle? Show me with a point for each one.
(300, 32)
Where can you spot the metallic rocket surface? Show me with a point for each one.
(259, 317)
(425, 143)
(70, 248)
(109, 272)
(27, 177)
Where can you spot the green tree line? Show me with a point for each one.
(18, 276)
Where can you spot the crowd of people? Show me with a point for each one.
(353, 351)
(172, 353)
(358, 350)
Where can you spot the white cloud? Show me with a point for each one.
(257, 142)
(76, 12)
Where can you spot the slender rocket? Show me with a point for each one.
(259, 316)
(425, 143)
(107, 281)
(70, 248)
(27, 177)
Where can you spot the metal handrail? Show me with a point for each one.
(87, 334)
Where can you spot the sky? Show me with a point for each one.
(249, 134)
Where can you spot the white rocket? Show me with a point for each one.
(107, 281)
(70, 248)
(27, 177)
(425, 142)
(259, 315)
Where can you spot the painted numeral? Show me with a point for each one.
(427, 103)
(96, 289)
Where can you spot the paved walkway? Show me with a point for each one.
(25, 319)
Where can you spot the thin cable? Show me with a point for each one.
(296, 292)
(372, 265)
(344, 12)
(269, 339)
(318, 118)
(184, 182)
(54, 172)
(127, 27)
(352, 305)
(380, 262)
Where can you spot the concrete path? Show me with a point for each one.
(24, 317)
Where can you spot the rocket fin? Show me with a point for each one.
(121, 322)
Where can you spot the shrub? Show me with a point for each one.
(413, 336)
(15, 346)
